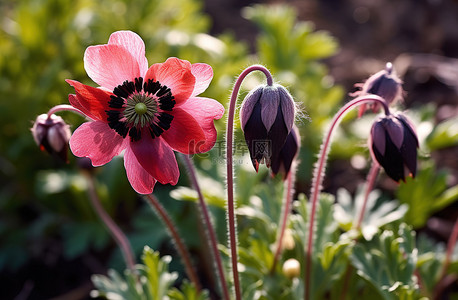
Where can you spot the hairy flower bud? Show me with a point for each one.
(282, 163)
(52, 134)
(385, 84)
(393, 143)
(267, 117)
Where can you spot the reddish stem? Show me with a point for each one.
(373, 172)
(371, 177)
(229, 164)
(65, 107)
(285, 213)
(179, 244)
(209, 230)
(318, 178)
(115, 231)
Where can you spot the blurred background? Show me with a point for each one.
(51, 242)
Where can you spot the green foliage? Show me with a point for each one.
(426, 194)
(388, 262)
(151, 281)
(445, 134)
(42, 44)
(379, 211)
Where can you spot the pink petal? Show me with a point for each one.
(204, 75)
(133, 43)
(185, 134)
(204, 111)
(175, 74)
(110, 65)
(140, 180)
(90, 100)
(157, 158)
(97, 141)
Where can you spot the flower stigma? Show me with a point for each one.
(140, 110)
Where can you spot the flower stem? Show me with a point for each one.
(450, 248)
(289, 189)
(65, 107)
(319, 174)
(373, 172)
(178, 242)
(115, 231)
(209, 230)
(229, 163)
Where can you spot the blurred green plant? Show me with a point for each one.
(42, 44)
(153, 281)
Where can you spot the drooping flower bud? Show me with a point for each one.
(385, 84)
(52, 134)
(282, 163)
(393, 143)
(267, 116)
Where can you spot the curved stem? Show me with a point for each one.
(284, 214)
(209, 230)
(65, 107)
(178, 242)
(229, 173)
(372, 175)
(318, 176)
(115, 231)
(373, 172)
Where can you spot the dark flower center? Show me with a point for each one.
(138, 107)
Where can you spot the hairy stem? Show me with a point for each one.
(450, 248)
(286, 208)
(371, 177)
(209, 230)
(114, 230)
(370, 181)
(178, 241)
(65, 107)
(230, 176)
(319, 175)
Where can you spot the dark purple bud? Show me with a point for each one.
(385, 84)
(393, 144)
(52, 134)
(282, 164)
(267, 116)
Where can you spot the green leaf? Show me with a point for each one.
(153, 281)
(444, 134)
(425, 194)
(187, 291)
(378, 211)
(388, 263)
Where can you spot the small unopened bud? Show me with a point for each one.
(282, 163)
(267, 117)
(52, 134)
(291, 268)
(393, 144)
(385, 84)
(288, 240)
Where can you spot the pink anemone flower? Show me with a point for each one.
(148, 112)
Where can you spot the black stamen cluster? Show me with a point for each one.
(162, 120)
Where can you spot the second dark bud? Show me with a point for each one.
(267, 117)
